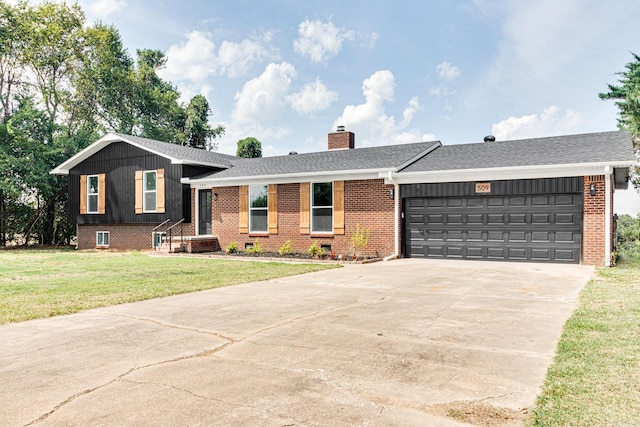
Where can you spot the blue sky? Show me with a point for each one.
(287, 72)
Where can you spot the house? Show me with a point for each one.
(543, 199)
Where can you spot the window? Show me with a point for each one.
(322, 207)
(102, 239)
(93, 194)
(258, 209)
(150, 191)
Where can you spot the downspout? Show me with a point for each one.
(396, 218)
(607, 216)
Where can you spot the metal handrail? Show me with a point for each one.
(160, 225)
(179, 222)
(170, 230)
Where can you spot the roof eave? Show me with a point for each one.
(212, 181)
(513, 172)
(110, 138)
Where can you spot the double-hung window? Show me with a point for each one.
(93, 194)
(258, 208)
(322, 207)
(150, 191)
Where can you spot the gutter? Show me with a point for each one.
(396, 217)
(608, 171)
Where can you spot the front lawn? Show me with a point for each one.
(595, 377)
(44, 283)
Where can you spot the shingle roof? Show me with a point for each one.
(181, 153)
(370, 158)
(558, 150)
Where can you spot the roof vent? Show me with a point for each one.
(340, 129)
(489, 138)
(291, 153)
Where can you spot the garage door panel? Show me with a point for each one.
(454, 219)
(495, 202)
(567, 255)
(475, 219)
(475, 203)
(541, 254)
(517, 218)
(540, 201)
(541, 218)
(455, 236)
(475, 252)
(474, 236)
(517, 201)
(495, 253)
(517, 228)
(541, 236)
(517, 253)
(518, 236)
(435, 219)
(566, 218)
(495, 218)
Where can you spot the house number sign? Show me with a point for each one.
(483, 187)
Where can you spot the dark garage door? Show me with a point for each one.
(512, 228)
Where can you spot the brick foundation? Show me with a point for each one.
(366, 203)
(124, 236)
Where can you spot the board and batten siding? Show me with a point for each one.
(119, 162)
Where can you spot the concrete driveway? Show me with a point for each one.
(395, 343)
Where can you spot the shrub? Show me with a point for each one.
(286, 248)
(360, 238)
(232, 248)
(255, 249)
(315, 250)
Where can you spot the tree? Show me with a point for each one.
(198, 132)
(627, 99)
(249, 148)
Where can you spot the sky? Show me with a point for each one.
(287, 72)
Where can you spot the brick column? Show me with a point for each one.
(593, 244)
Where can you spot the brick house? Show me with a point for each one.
(543, 199)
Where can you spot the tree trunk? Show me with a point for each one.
(3, 221)
(48, 221)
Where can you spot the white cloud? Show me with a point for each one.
(550, 122)
(196, 59)
(235, 59)
(313, 97)
(264, 96)
(370, 121)
(320, 40)
(193, 60)
(410, 111)
(103, 8)
(447, 71)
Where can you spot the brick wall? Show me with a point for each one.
(125, 236)
(121, 237)
(593, 246)
(366, 203)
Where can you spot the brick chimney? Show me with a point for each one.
(341, 139)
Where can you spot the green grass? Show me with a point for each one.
(44, 283)
(595, 377)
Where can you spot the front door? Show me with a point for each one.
(204, 212)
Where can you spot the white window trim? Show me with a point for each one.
(312, 207)
(108, 239)
(145, 191)
(266, 209)
(96, 194)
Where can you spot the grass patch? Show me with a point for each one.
(44, 283)
(595, 377)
